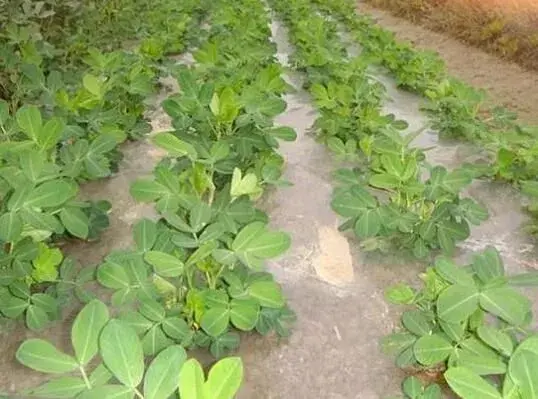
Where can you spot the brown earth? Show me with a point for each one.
(506, 82)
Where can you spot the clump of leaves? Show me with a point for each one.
(454, 108)
(470, 327)
(389, 203)
(204, 258)
(120, 371)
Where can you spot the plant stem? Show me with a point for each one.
(85, 377)
(138, 394)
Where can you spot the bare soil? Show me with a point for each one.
(507, 83)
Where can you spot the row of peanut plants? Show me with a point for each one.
(67, 104)
(456, 110)
(468, 326)
(195, 277)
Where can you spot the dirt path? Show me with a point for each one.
(507, 83)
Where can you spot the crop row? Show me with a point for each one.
(67, 104)
(194, 277)
(455, 109)
(469, 325)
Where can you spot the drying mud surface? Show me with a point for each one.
(335, 289)
(507, 83)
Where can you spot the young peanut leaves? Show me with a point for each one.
(223, 380)
(449, 328)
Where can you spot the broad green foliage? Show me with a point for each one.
(197, 271)
(390, 203)
(386, 200)
(68, 97)
(456, 110)
(194, 277)
(222, 382)
(470, 323)
(121, 371)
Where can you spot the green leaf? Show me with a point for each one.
(100, 375)
(46, 302)
(200, 216)
(473, 212)
(353, 203)
(488, 265)
(86, 329)
(137, 322)
(63, 387)
(29, 120)
(283, 133)
(10, 226)
(452, 273)
(108, 392)
(161, 379)
(93, 84)
(480, 364)
(51, 133)
(51, 194)
(176, 328)
(145, 234)
(416, 322)
(75, 221)
(396, 343)
(469, 385)
(122, 353)
(497, 339)
(144, 190)
(267, 293)
(523, 365)
(456, 303)
(175, 146)
(155, 341)
(42, 356)
(215, 321)
(456, 180)
(152, 310)
(506, 303)
(368, 224)
(41, 221)
(433, 391)
(336, 145)
(202, 252)
(212, 232)
(224, 344)
(113, 275)
(384, 181)
(224, 379)
(412, 387)
(36, 318)
(454, 331)
(400, 294)
(432, 349)
(244, 314)
(32, 164)
(247, 185)
(255, 241)
(191, 380)
(449, 232)
(13, 307)
(165, 265)
(406, 358)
